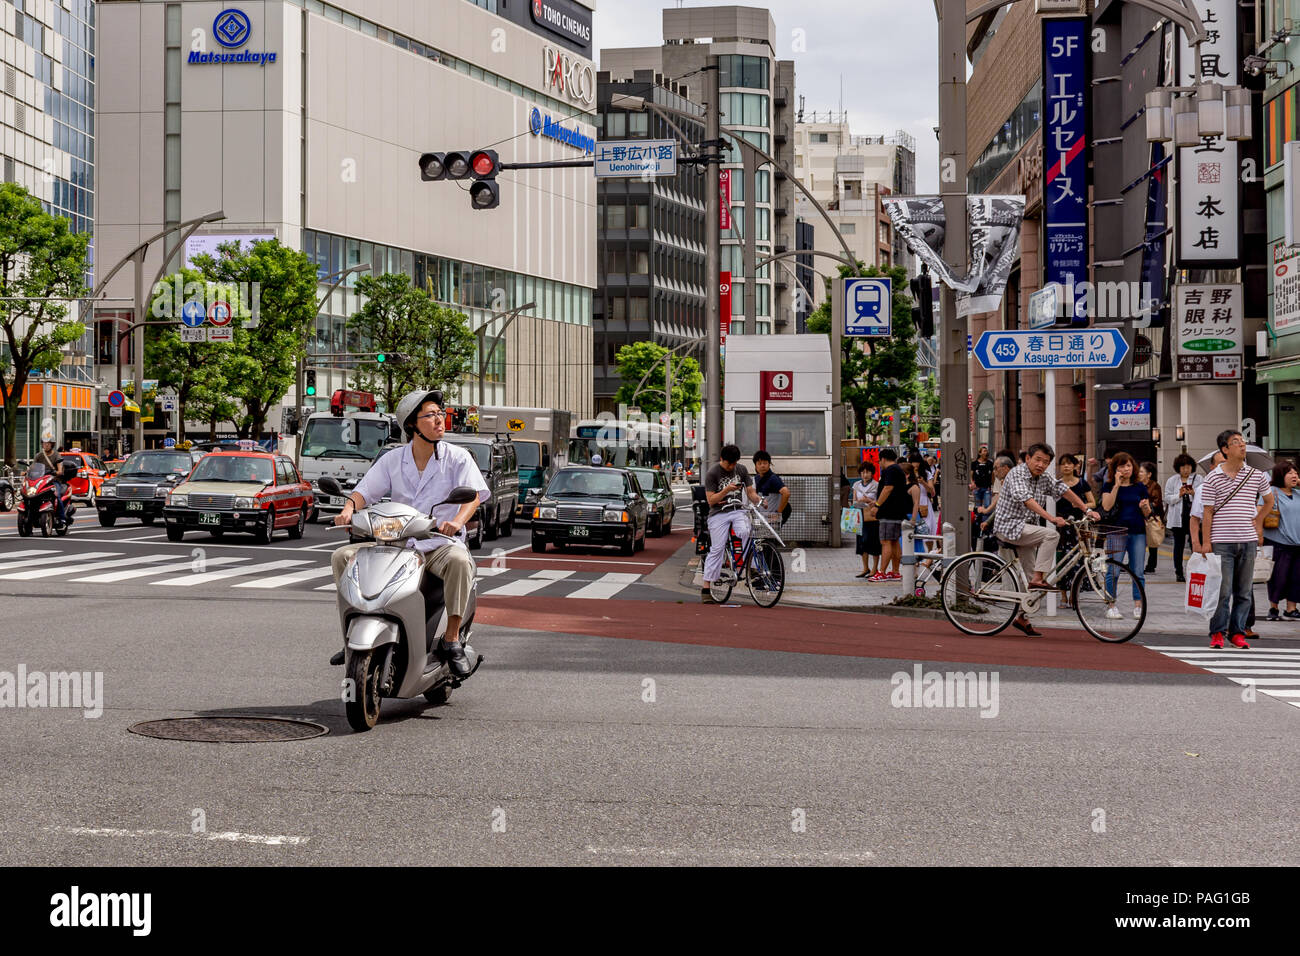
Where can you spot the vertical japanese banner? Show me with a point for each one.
(724, 199)
(1065, 160)
(1209, 208)
(724, 304)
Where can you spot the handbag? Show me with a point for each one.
(1263, 566)
(850, 521)
(1273, 518)
(1155, 532)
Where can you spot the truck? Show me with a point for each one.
(343, 443)
(541, 440)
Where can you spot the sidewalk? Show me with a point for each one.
(824, 578)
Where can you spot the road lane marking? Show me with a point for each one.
(1198, 651)
(27, 554)
(606, 586)
(528, 585)
(58, 558)
(281, 580)
(231, 836)
(112, 576)
(33, 574)
(208, 576)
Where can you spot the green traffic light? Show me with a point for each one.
(311, 389)
(380, 358)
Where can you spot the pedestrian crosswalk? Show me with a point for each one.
(1273, 671)
(171, 569)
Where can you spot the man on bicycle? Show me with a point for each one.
(723, 485)
(1021, 518)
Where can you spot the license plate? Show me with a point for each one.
(209, 517)
(580, 531)
(134, 506)
(336, 500)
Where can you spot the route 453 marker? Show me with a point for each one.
(1082, 348)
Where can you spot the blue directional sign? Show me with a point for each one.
(868, 307)
(193, 313)
(1081, 348)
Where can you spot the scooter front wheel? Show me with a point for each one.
(362, 700)
(47, 524)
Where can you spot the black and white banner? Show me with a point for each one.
(994, 229)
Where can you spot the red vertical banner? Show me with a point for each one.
(724, 303)
(724, 199)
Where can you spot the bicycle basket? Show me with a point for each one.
(1113, 537)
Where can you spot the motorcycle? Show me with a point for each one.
(38, 505)
(392, 612)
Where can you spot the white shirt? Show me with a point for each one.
(1174, 501)
(1198, 499)
(396, 476)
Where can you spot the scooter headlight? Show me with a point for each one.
(387, 529)
(31, 492)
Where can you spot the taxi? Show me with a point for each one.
(253, 492)
(90, 475)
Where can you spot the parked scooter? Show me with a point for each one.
(393, 613)
(38, 505)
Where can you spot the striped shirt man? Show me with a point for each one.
(1235, 503)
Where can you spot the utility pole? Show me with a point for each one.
(668, 398)
(712, 241)
(954, 463)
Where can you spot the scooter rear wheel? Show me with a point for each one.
(363, 709)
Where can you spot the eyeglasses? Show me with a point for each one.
(431, 416)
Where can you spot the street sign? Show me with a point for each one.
(194, 313)
(167, 404)
(630, 159)
(219, 314)
(777, 386)
(169, 442)
(868, 307)
(1084, 348)
(194, 335)
(221, 335)
(115, 411)
(116, 399)
(1129, 414)
(1043, 306)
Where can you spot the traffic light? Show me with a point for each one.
(480, 165)
(485, 193)
(311, 382)
(391, 358)
(923, 305)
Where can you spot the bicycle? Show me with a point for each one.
(983, 592)
(759, 563)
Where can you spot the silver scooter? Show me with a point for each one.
(393, 613)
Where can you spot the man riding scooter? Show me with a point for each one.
(421, 475)
(50, 459)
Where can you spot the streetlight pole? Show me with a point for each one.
(298, 386)
(481, 332)
(712, 263)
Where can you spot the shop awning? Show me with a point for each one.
(1285, 371)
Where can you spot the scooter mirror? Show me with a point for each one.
(461, 496)
(330, 486)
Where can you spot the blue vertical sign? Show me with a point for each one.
(1065, 160)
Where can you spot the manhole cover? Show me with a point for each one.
(229, 730)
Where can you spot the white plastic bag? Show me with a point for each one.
(1204, 578)
(1263, 565)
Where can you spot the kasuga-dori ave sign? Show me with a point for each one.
(1084, 348)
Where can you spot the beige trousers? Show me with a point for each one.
(450, 562)
(1037, 547)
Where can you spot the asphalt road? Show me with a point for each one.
(648, 744)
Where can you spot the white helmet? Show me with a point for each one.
(410, 404)
(597, 460)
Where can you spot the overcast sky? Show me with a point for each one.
(884, 51)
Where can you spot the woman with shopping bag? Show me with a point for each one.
(864, 496)
(1179, 492)
(1282, 531)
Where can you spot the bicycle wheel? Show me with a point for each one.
(766, 577)
(721, 588)
(1110, 613)
(981, 593)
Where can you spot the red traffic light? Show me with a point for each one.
(484, 163)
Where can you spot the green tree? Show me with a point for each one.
(638, 358)
(196, 371)
(396, 317)
(876, 373)
(260, 366)
(39, 259)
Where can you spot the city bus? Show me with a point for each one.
(621, 443)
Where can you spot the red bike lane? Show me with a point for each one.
(813, 631)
